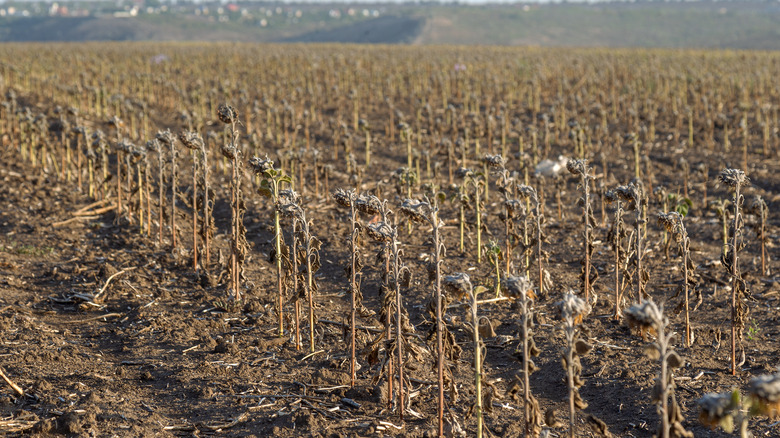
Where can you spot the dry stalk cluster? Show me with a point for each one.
(736, 180)
(521, 289)
(572, 311)
(672, 223)
(271, 186)
(649, 318)
(620, 239)
(633, 196)
(589, 274)
(459, 285)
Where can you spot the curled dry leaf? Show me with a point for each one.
(674, 360)
(582, 348)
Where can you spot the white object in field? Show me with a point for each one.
(549, 168)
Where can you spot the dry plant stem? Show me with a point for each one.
(388, 325)
(91, 171)
(477, 182)
(160, 193)
(140, 199)
(148, 194)
(538, 214)
(294, 256)
(586, 209)
(477, 362)
(639, 285)
(398, 316)
(618, 225)
(570, 331)
(309, 280)
(462, 217)
(118, 183)
(79, 173)
(439, 341)
(195, 210)
(10, 383)
(172, 145)
(353, 287)
(278, 245)
(761, 207)
(526, 312)
(663, 346)
(734, 285)
(235, 188)
(206, 207)
(686, 255)
(233, 233)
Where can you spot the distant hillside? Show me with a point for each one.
(736, 25)
(383, 30)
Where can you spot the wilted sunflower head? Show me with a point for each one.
(514, 207)
(153, 145)
(288, 196)
(527, 192)
(368, 204)
(495, 162)
(261, 166)
(458, 284)
(229, 151)
(577, 167)
(126, 146)
(765, 390)
(718, 410)
(227, 114)
(645, 316)
(733, 177)
(416, 211)
(343, 197)
(463, 172)
(137, 151)
(166, 137)
(572, 306)
(611, 196)
(672, 223)
(288, 210)
(380, 231)
(629, 194)
(98, 138)
(757, 206)
(516, 287)
(191, 140)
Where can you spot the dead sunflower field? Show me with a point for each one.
(325, 241)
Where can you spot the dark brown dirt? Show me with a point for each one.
(156, 356)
